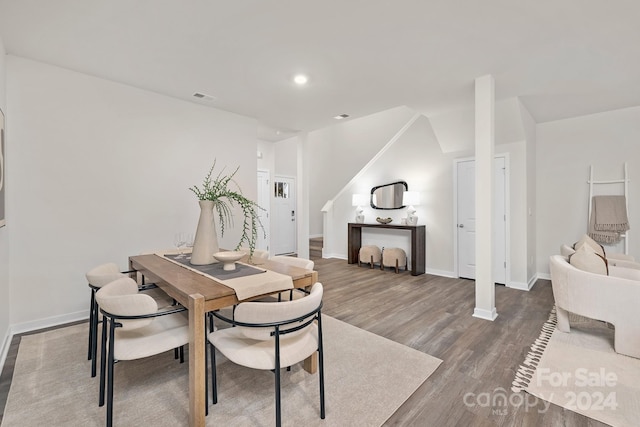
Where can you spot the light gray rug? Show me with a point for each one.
(367, 378)
(580, 371)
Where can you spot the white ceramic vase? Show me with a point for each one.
(205, 243)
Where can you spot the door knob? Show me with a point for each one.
(461, 225)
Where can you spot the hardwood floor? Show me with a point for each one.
(433, 314)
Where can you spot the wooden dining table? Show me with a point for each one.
(201, 294)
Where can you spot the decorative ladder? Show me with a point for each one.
(625, 182)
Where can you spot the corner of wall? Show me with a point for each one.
(4, 241)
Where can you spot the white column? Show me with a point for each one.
(485, 141)
(302, 230)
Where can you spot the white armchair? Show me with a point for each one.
(613, 259)
(611, 298)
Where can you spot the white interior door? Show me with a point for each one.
(466, 221)
(499, 221)
(284, 204)
(264, 201)
(466, 224)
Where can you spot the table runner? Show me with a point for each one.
(246, 280)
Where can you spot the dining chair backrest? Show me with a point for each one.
(274, 312)
(103, 274)
(121, 298)
(257, 253)
(307, 264)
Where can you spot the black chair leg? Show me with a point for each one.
(110, 379)
(103, 362)
(94, 335)
(206, 373)
(321, 366)
(214, 376)
(277, 378)
(91, 335)
(175, 353)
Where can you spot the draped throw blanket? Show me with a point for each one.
(608, 219)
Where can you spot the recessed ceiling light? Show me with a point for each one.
(300, 79)
(341, 116)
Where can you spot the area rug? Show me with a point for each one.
(580, 371)
(367, 378)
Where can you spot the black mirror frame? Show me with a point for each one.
(406, 188)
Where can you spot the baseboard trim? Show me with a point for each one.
(336, 256)
(544, 276)
(443, 273)
(481, 313)
(521, 286)
(5, 348)
(48, 322)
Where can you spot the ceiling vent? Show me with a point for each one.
(203, 96)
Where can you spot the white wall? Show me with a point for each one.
(286, 157)
(100, 171)
(5, 305)
(565, 150)
(529, 127)
(419, 157)
(337, 153)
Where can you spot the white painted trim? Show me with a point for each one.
(485, 314)
(48, 322)
(441, 273)
(5, 348)
(524, 286)
(544, 276)
(521, 286)
(507, 213)
(313, 236)
(336, 256)
(268, 208)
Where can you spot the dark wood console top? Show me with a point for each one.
(377, 224)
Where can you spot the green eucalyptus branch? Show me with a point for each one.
(224, 200)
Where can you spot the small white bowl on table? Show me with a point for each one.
(228, 259)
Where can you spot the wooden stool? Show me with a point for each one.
(394, 257)
(369, 254)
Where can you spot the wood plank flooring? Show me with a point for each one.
(433, 314)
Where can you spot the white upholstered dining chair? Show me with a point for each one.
(134, 328)
(258, 254)
(307, 264)
(97, 277)
(271, 336)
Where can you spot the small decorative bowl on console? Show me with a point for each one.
(384, 220)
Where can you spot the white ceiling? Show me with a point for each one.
(562, 58)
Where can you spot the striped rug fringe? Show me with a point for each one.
(525, 372)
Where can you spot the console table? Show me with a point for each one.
(417, 243)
